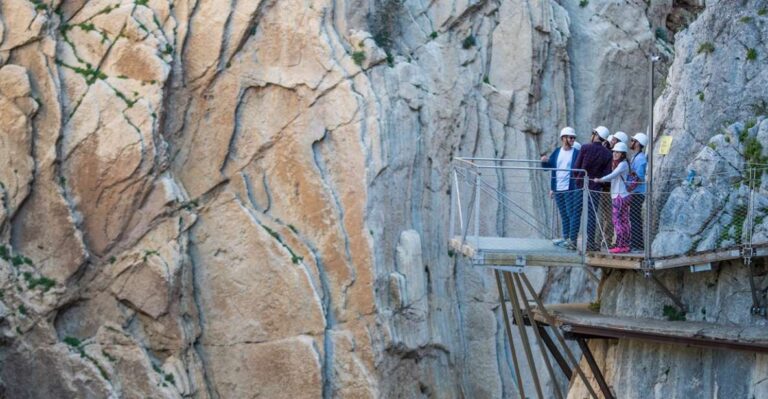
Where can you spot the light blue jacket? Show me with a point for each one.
(639, 164)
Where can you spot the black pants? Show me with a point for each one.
(598, 202)
(636, 221)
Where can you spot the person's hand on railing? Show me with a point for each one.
(544, 158)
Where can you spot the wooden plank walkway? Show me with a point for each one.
(506, 251)
(579, 320)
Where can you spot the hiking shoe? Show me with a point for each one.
(619, 250)
(558, 241)
(570, 245)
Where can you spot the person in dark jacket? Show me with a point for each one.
(595, 158)
(563, 186)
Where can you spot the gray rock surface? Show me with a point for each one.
(220, 199)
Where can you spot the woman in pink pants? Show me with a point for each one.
(620, 197)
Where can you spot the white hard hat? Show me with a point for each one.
(621, 136)
(602, 131)
(641, 138)
(619, 147)
(610, 137)
(568, 131)
(577, 145)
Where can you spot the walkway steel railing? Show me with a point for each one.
(708, 212)
(510, 198)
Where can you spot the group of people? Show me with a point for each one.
(610, 169)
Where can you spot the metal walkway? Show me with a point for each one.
(502, 217)
(577, 320)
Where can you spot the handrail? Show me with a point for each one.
(510, 206)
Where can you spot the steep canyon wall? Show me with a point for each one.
(207, 198)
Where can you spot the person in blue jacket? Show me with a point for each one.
(563, 186)
(639, 164)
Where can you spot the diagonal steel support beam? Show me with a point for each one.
(551, 321)
(555, 351)
(536, 332)
(508, 328)
(676, 299)
(523, 333)
(595, 369)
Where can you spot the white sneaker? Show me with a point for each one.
(558, 241)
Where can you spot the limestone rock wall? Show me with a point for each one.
(713, 107)
(217, 199)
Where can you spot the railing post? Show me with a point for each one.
(477, 209)
(584, 216)
(458, 202)
(649, 175)
(452, 221)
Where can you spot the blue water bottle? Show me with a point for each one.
(691, 175)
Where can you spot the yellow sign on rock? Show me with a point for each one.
(665, 144)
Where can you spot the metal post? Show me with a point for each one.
(649, 174)
(595, 368)
(523, 334)
(452, 222)
(458, 202)
(508, 327)
(551, 321)
(584, 216)
(555, 352)
(477, 209)
(539, 340)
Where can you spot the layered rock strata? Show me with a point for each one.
(223, 199)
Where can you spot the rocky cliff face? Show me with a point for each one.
(224, 199)
(714, 108)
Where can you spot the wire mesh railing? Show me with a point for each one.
(507, 198)
(516, 199)
(713, 212)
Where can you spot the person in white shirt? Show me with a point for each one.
(563, 186)
(620, 198)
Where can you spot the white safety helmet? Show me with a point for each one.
(567, 131)
(620, 147)
(622, 137)
(610, 138)
(602, 131)
(641, 138)
(577, 145)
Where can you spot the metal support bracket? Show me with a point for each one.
(758, 307)
(647, 266)
(675, 298)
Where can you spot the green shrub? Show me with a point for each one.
(87, 26)
(358, 57)
(751, 54)
(706, 48)
(673, 314)
(73, 342)
(661, 33)
(469, 42)
(745, 20)
(583, 3)
(762, 11)
(486, 80)
(594, 306)
(433, 35)
(700, 94)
